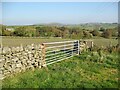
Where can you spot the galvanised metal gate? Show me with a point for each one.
(57, 51)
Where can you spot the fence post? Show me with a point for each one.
(64, 48)
(78, 47)
(43, 62)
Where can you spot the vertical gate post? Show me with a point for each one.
(78, 47)
(43, 62)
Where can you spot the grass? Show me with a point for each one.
(105, 42)
(17, 41)
(84, 71)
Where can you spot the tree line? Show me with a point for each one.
(57, 31)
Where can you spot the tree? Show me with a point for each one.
(115, 32)
(107, 33)
(2, 30)
(87, 34)
(101, 29)
(7, 33)
(27, 31)
(95, 33)
(20, 31)
(30, 31)
(80, 34)
(46, 31)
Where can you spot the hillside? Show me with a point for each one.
(89, 26)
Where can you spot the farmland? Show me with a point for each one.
(84, 71)
(17, 41)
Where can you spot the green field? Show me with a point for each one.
(105, 42)
(87, 70)
(17, 41)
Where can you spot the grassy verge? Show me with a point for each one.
(89, 70)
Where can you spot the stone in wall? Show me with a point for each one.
(17, 59)
(84, 45)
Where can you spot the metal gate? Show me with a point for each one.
(57, 51)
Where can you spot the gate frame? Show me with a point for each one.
(43, 50)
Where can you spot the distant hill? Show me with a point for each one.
(50, 24)
(89, 26)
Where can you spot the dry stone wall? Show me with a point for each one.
(17, 59)
(84, 45)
